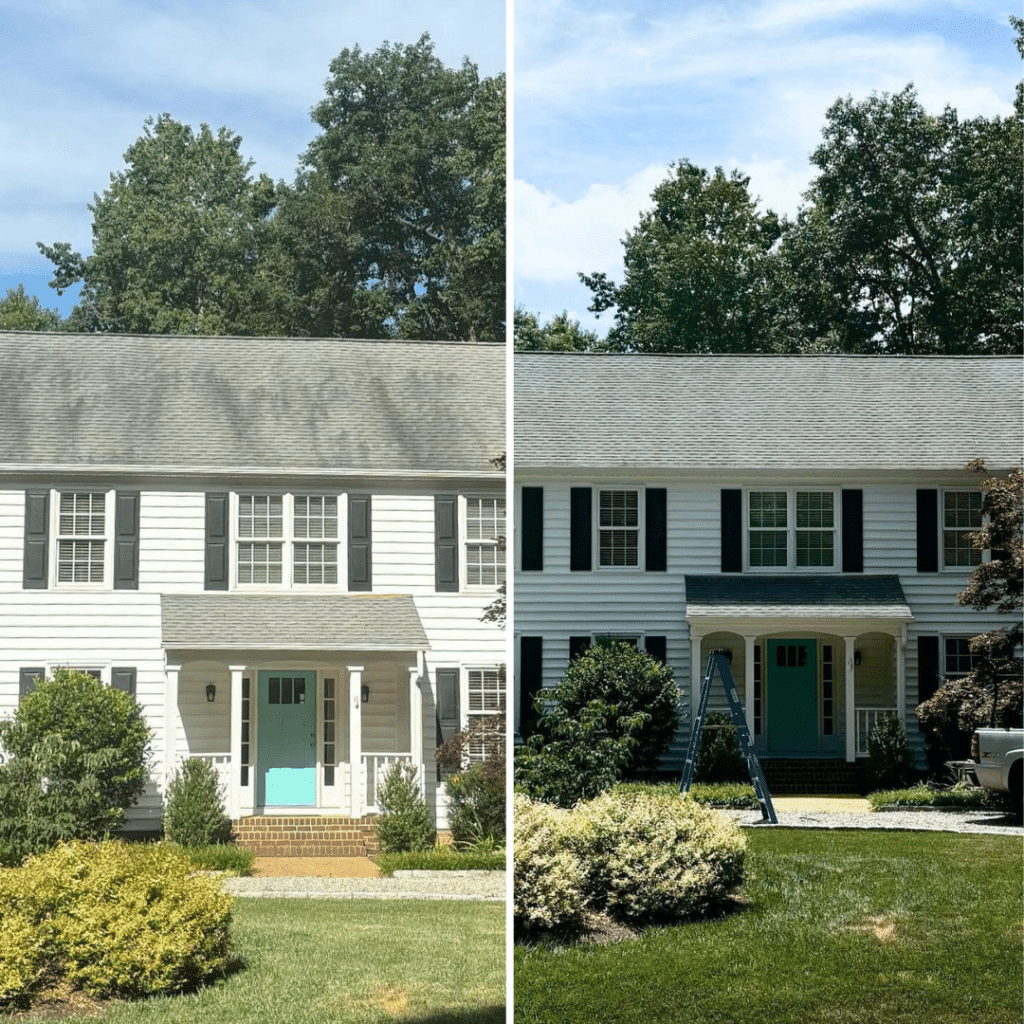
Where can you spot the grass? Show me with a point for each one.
(222, 857)
(349, 962)
(924, 796)
(441, 858)
(838, 927)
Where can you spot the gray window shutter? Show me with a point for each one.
(578, 645)
(123, 679)
(216, 542)
(732, 530)
(446, 543)
(27, 679)
(533, 529)
(655, 646)
(927, 531)
(928, 672)
(126, 540)
(581, 529)
(656, 529)
(448, 717)
(531, 681)
(360, 543)
(35, 574)
(853, 531)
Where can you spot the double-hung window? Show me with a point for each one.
(485, 526)
(486, 698)
(81, 536)
(961, 516)
(287, 540)
(618, 528)
(792, 529)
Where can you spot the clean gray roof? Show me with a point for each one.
(100, 401)
(294, 622)
(720, 413)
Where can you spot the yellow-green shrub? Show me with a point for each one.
(114, 920)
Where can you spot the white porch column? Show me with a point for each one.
(235, 732)
(416, 725)
(696, 671)
(851, 702)
(901, 673)
(171, 672)
(355, 738)
(748, 682)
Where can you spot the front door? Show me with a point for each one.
(286, 748)
(792, 697)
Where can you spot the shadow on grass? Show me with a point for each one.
(478, 1015)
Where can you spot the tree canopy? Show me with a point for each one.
(20, 311)
(393, 227)
(560, 334)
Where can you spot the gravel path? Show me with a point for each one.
(925, 819)
(486, 886)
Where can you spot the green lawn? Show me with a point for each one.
(341, 961)
(838, 927)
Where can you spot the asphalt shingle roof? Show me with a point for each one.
(794, 589)
(264, 404)
(292, 622)
(720, 413)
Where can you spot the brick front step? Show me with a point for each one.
(811, 777)
(306, 836)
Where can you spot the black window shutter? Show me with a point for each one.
(531, 681)
(446, 543)
(580, 529)
(853, 531)
(35, 574)
(732, 530)
(578, 645)
(927, 669)
(216, 542)
(533, 529)
(27, 679)
(126, 540)
(656, 529)
(656, 647)
(927, 531)
(123, 679)
(360, 543)
(447, 680)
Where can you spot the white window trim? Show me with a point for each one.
(288, 541)
(641, 527)
(986, 555)
(791, 528)
(90, 668)
(943, 666)
(108, 539)
(465, 542)
(468, 715)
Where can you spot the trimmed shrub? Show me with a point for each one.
(194, 814)
(112, 919)
(653, 855)
(405, 823)
(719, 758)
(476, 807)
(548, 881)
(890, 763)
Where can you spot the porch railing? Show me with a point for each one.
(374, 768)
(866, 718)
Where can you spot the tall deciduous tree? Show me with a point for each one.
(176, 238)
(560, 334)
(20, 311)
(396, 222)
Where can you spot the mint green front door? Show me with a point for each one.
(286, 740)
(792, 697)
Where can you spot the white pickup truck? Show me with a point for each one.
(999, 757)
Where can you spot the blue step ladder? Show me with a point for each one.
(718, 665)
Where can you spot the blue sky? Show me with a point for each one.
(78, 79)
(607, 95)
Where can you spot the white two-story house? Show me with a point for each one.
(808, 515)
(282, 547)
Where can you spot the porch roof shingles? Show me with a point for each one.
(796, 595)
(146, 402)
(292, 622)
(715, 414)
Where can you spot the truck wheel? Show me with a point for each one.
(1016, 784)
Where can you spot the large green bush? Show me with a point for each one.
(610, 718)
(194, 813)
(112, 919)
(77, 754)
(719, 758)
(405, 823)
(476, 807)
(890, 763)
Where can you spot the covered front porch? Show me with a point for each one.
(816, 659)
(299, 703)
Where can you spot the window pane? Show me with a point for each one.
(619, 508)
(814, 547)
(259, 563)
(260, 515)
(962, 510)
(767, 547)
(316, 516)
(485, 518)
(316, 563)
(80, 561)
(767, 509)
(486, 690)
(619, 547)
(815, 509)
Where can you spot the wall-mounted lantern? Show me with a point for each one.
(366, 694)
(856, 657)
(211, 693)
